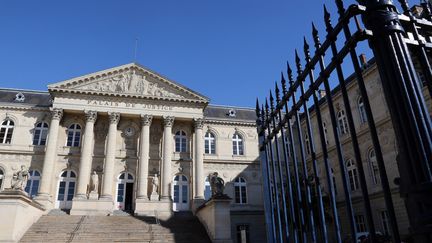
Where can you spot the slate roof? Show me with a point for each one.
(43, 99)
(33, 98)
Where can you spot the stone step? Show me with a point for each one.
(57, 227)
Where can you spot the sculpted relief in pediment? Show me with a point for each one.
(131, 82)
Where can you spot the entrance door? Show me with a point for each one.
(125, 192)
(66, 189)
(180, 193)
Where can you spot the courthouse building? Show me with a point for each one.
(147, 142)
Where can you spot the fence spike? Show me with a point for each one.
(315, 36)
(327, 19)
(266, 109)
(277, 93)
(257, 108)
(284, 88)
(340, 7)
(271, 101)
(306, 50)
(298, 63)
(262, 113)
(290, 75)
(404, 5)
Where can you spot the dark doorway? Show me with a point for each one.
(128, 197)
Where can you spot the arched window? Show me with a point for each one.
(209, 143)
(306, 143)
(342, 122)
(180, 141)
(40, 133)
(240, 190)
(6, 130)
(180, 193)
(125, 184)
(237, 142)
(374, 167)
(362, 111)
(352, 174)
(33, 183)
(74, 135)
(66, 189)
(1, 178)
(324, 125)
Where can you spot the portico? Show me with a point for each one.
(127, 119)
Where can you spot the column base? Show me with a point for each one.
(160, 209)
(101, 207)
(106, 197)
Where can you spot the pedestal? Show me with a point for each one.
(160, 209)
(196, 203)
(92, 206)
(93, 196)
(216, 218)
(154, 196)
(18, 213)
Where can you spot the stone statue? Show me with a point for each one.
(216, 185)
(155, 183)
(19, 179)
(94, 182)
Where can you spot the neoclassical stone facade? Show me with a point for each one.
(150, 141)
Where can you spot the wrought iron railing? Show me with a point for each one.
(295, 203)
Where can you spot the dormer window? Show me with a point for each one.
(19, 97)
(232, 113)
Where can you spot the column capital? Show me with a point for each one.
(114, 117)
(146, 120)
(56, 114)
(168, 121)
(198, 123)
(90, 116)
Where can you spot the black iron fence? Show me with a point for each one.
(302, 202)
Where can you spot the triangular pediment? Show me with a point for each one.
(131, 80)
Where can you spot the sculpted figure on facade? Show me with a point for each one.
(155, 183)
(217, 185)
(94, 182)
(130, 82)
(19, 179)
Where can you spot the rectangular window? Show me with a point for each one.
(61, 192)
(360, 223)
(36, 137)
(71, 191)
(176, 193)
(242, 233)
(120, 192)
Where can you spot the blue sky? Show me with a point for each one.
(231, 51)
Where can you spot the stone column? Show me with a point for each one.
(86, 155)
(110, 151)
(144, 156)
(199, 160)
(50, 155)
(166, 159)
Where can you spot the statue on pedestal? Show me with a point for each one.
(94, 182)
(94, 186)
(217, 185)
(155, 184)
(19, 179)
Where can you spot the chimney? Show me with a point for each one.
(363, 60)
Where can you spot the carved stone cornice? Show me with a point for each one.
(168, 121)
(113, 117)
(56, 114)
(91, 116)
(198, 123)
(146, 120)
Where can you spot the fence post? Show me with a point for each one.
(408, 111)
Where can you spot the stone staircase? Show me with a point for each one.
(181, 228)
